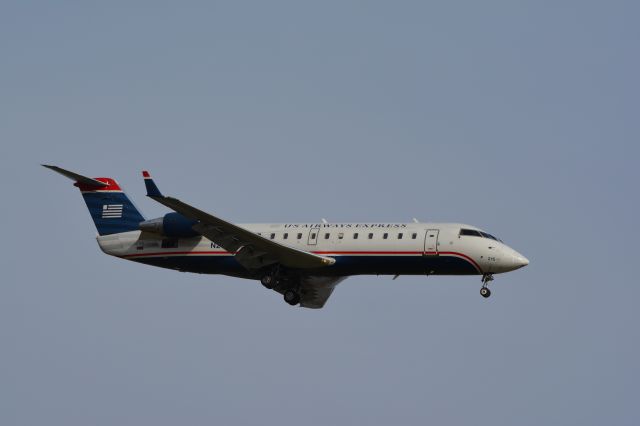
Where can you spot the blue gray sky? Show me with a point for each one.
(517, 117)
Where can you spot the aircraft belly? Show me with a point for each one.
(403, 265)
(225, 265)
(344, 266)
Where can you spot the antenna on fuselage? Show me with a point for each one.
(415, 220)
(324, 220)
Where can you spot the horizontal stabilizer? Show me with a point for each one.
(76, 177)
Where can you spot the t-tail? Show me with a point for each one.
(109, 206)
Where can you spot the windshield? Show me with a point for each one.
(484, 234)
(474, 233)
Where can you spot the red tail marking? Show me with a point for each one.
(112, 185)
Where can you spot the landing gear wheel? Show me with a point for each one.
(268, 281)
(291, 297)
(484, 291)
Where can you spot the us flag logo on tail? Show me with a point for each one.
(112, 211)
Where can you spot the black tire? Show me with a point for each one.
(291, 297)
(267, 281)
(485, 292)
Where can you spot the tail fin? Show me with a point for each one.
(109, 206)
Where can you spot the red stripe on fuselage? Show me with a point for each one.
(367, 252)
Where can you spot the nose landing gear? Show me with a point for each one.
(484, 291)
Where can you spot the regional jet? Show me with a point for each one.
(302, 261)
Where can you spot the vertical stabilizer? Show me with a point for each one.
(110, 208)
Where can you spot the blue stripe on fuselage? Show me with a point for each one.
(345, 265)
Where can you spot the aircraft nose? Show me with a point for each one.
(520, 261)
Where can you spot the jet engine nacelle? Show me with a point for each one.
(172, 225)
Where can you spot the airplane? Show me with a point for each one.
(302, 261)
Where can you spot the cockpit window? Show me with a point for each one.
(484, 234)
(474, 233)
(470, 232)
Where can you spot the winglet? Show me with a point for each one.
(152, 188)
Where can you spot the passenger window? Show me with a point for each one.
(355, 236)
(273, 236)
(326, 236)
(400, 235)
(300, 236)
(414, 236)
(340, 235)
(385, 236)
(371, 236)
(313, 236)
(285, 236)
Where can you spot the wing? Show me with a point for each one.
(251, 250)
(315, 291)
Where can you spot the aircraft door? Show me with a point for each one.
(431, 242)
(313, 236)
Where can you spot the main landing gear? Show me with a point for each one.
(291, 297)
(484, 291)
(275, 280)
(272, 277)
(268, 281)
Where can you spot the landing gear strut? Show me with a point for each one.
(484, 291)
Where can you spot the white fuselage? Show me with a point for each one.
(359, 248)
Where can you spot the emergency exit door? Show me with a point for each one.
(431, 242)
(313, 236)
